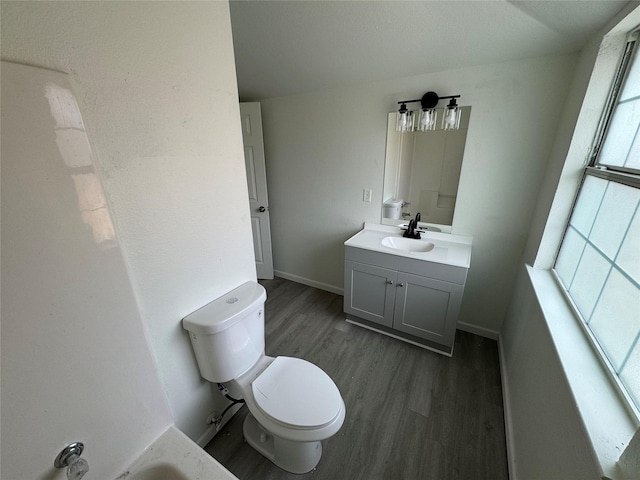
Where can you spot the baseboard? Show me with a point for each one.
(309, 282)
(507, 411)
(482, 331)
(211, 431)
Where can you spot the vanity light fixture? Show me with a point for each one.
(428, 114)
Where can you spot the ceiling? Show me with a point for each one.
(288, 47)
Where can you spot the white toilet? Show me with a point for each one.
(392, 208)
(293, 404)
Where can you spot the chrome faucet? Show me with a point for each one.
(410, 232)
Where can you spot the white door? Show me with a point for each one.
(257, 182)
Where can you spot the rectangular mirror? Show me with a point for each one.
(421, 172)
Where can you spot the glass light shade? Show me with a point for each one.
(427, 120)
(410, 121)
(401, 122)
(451, 118)
(405, 121)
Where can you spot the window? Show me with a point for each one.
(598, 264)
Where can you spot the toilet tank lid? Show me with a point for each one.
(393, 202)
(225, 311)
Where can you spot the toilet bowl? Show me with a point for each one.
(293, 404)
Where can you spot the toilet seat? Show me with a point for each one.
(297, 394)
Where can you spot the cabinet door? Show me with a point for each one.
(369, 292)
(427, 308)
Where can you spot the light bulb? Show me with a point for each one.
(427, 120)
(451, 120)
(401, 123)
(424, 121)
(451, 116)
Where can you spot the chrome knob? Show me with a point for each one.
(401, 285)
(262, 209)
(390, 282)
(72, 450)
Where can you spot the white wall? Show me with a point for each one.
(548, 434)
(323, 149)
(157, 88)
(75, 362)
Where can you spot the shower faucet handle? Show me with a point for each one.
(70, 457)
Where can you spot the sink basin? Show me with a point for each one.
(407, 244)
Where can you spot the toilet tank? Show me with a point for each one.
(392, 208)
(228, 334)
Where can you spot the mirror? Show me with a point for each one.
(422, 169)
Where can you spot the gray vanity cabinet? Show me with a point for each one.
(416, 301)
(427, 308)
(371, 292)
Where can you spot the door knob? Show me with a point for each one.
(262, 209)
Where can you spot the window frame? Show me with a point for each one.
(632, 42)
(622, 175)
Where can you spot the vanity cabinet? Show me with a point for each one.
(370, 292)
(414, 300)
(427, 308)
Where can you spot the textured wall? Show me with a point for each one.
(75, 362)
(157, 88)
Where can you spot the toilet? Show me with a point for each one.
(293, 404)
(392, 208)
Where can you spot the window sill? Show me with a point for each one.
(608, 424)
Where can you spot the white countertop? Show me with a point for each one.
(449, 249)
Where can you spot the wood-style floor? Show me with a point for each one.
(411, 414)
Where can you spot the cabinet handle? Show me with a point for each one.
(390, 282)
(401, 285)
